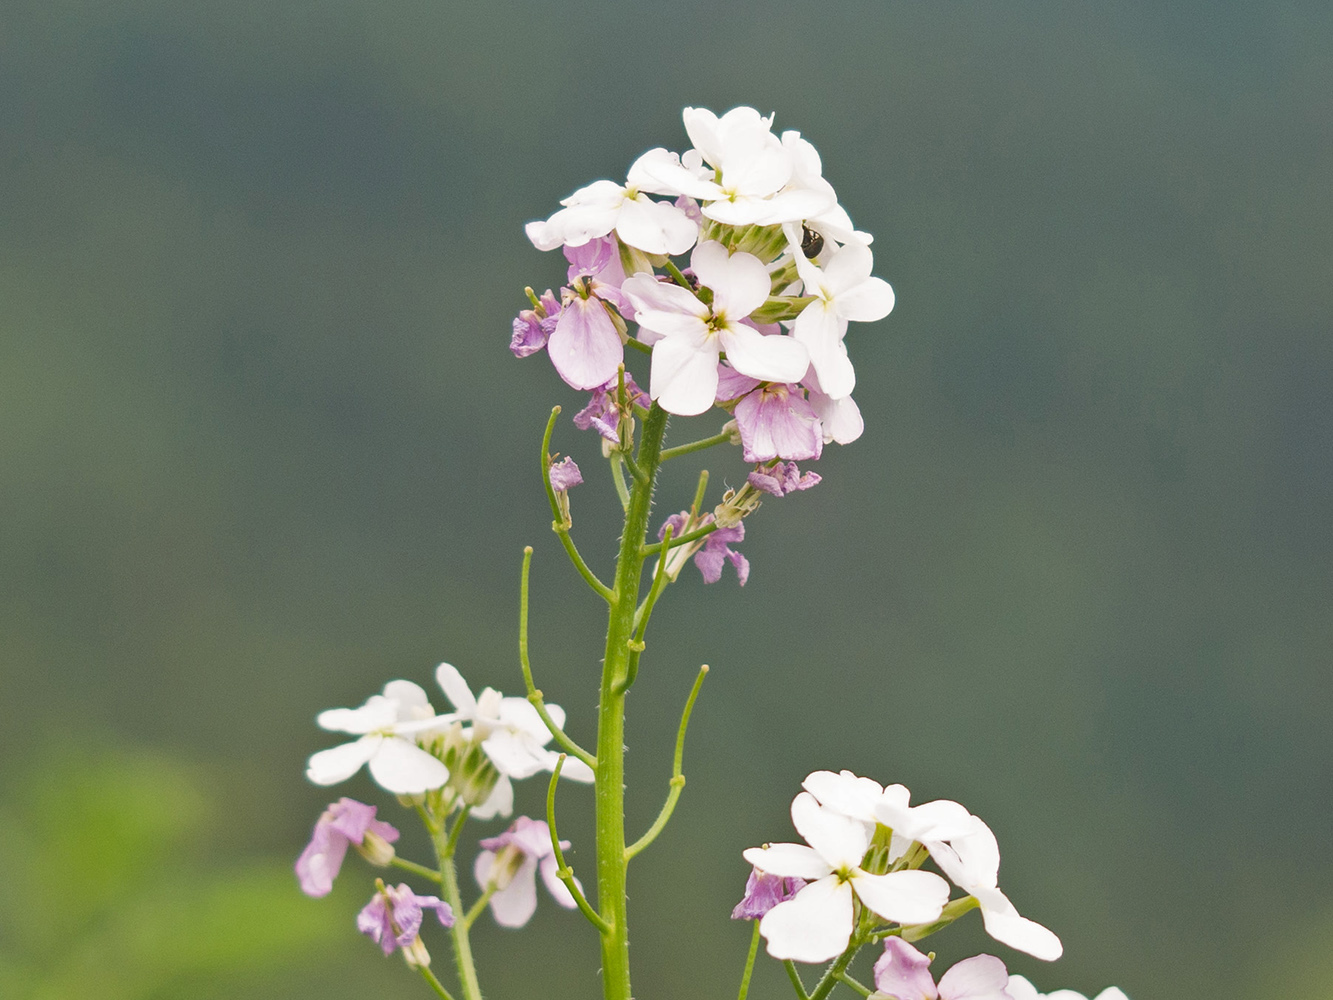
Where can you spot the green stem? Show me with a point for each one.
(689, 536)
(795, 978)
(847, 980)
(561, 524)
(415, 869)
(479, 905)
(839, 966)
(609, 789)
(676, 276)
(444, 849)
(749, 963)
(639, 345)
(677, 775)
(564, 872)
(435, 984)
(722, 437)
(534, 695)
(618, 478)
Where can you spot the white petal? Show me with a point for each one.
(499, 803)
(411, 698)
(814, 926)
(909, 897)
(972, 860)
(848, 268)
(481, 868)
(981, 977)
(821, 331)
(405, 769)
(576, 770)
(512, 755)
(869, 301)
(456, 689)
(683, 378)
(1004, 923)
(788, 861)
(378, 712)
(328, 767)
(653, 296)
(514, 905)
(663, 174)
(841, 418)
(1021, 988)
(839, 840)
(558, 890)
(655, 226)
(1111, 993)
(740, 284)
(773, 359)
(576, 225)
(701, 125)
(520, 714)
(846, 793)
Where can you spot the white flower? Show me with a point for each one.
(1021, 989)
(966, 850)
(691, 335)
(817, 923)
(386, 724)
(833, 223)
(595, 210)
(512, 734)
(843, 291)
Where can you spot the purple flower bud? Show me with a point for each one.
(763, 892)
(346, 821)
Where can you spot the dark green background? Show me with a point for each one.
(264, 449)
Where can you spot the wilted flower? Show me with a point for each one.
(392, 919)
(783, 478)
(763, 892)
(345, 822)
(510, 862)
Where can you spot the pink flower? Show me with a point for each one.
(902, 973)
(392, 919)
(510, 862)
(345, 822)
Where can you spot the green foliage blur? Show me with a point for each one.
(262, 449)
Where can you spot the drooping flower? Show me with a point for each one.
(602, 414)
(565, 475)
(1021, 988)
(843, 291)
(533, 327)
(591, 212)
(345, 822)
(717, 551)
(510, 733)
(511, 861)
(763, 892)
(392, 919)
(783, 478)
(902, 973)
(817, 923)
(692, 334)
(773, 418)
(386, 725)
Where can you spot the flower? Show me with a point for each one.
(385, 724)
(966, 850)
(602, 413)
(533, 327)
(510, 863)
(710, 553)
(817, 924)
(693, 334)
(773, 418)
(594, 211)
(1021, 989)
(902, 973)
(511, 734)
(346, 821)
(586, 345)
(844, 290)
(565, 475)
(840, 418)
(763, 892)
(392, 920)
(781, 479)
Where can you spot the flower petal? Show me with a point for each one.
(909, 897)
(845, 792)
(378, 712)
(514, 905)
(328, 767)
(789, 860)
(683, 378)
(585, 348)
(981, 977)
(405, 769)
(814, 926)
(869, 301)
(655, 226)
(456, 689)
(840, 840)
(1004, 923)
(773, 359)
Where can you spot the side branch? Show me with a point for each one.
(561, 525)
(721, 437)
(685, 539)
(535, 696)
(564, 872)
(677, 776)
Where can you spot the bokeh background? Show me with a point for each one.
(264, 449)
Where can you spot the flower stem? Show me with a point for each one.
(415, 869)
(435, 984)
(610, 777)
(677, 783)
(749, 963)
(445, 841)
(795, 978)
(722, 437)
(847, 980)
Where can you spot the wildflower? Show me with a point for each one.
(783, 478)
(533, 327)
(773, 418)
(392, 919)
(586, 345)
(843, 291)
(763, 892)
(692, 334)
(602, 412)
(510, 862)
(902, 974)
(1021, 989)
(817, 923)
(386, 724)
(345, 822)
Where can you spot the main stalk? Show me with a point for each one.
(610, 783)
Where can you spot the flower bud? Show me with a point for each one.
(416, 955)
(376, 850)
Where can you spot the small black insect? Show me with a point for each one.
(811, 243)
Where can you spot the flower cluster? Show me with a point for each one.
(865, 843)
(754, 324)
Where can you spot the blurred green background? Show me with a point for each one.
(264, 449)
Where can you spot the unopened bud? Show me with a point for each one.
(416, 955)
(376, 850)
